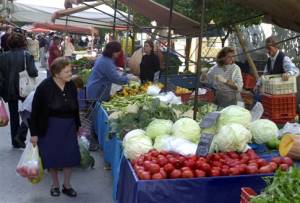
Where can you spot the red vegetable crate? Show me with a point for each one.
(246, 193)
(249, 81)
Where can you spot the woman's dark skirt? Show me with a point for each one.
(59, 146)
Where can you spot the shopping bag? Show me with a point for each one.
(86, 159)
(29, 165)
(27, 84)
(3, 115)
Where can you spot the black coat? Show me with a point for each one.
(11, 63)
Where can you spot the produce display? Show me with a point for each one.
(135, 89)
(83, 63)
(156, 165)
(283, 188)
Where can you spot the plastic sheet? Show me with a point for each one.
(200, 190)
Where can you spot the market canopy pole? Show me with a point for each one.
(169, 42)
(115, 16)
(199, 61)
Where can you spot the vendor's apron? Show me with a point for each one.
(225, 98)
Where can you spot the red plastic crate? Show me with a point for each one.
(280, 106)
(246, 193)
(208, 97)
(249, 81)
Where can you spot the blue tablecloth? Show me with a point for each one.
(200, 190)
(101, 124)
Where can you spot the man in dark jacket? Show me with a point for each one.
(11, 63)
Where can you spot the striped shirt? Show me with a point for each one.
(229, 72)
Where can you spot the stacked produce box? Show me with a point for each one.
(279, 99)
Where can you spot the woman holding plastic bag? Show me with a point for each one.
(54, 124)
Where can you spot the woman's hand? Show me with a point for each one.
(34, 140)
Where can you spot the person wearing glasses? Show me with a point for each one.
(278, 63)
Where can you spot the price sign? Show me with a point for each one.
(209, 119)
(204, 144)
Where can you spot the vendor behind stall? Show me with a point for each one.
(226, 78)
(104, 73)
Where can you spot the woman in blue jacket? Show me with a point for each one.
(104, 73)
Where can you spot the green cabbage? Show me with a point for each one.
(159, 143)
(232, 137)
(159, 127)
(234, 114)
(187, 128)
(136, 146)
(263, 131)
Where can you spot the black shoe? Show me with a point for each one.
(69, 191)
(55, 192)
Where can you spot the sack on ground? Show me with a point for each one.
(86, 159)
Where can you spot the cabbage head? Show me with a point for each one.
(187, 128)
(136, 146)
(160, 142)
(133, 133)
(232, 137)
(234, 114)
(263, 131)
(159, 127)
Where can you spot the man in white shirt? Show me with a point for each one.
(278, 62)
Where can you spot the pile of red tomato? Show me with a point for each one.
(162, 165)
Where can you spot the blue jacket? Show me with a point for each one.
(104, 73)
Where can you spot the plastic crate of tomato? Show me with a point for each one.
(246, 194)
(184, 97)
(249, 81)
(280, 106)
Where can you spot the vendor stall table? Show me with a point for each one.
(200, 190)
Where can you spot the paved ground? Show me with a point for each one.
(92, 185)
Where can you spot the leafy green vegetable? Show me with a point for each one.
(284, 187)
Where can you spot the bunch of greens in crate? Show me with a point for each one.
(284, 187)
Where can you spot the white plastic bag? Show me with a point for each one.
(29, 164)
(153, 90)
(293, 128)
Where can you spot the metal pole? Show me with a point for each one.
(199, 60)
(169, 41)
(115, 16)
(126, 46)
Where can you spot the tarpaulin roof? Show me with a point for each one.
(180, 24)
(285, 13)
(41, 11)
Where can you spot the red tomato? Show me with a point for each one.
(145, 175)
(273, 165)
(252, 169)
(199, 173)
(199, 163)
(233, 155)
(234, 171)
(157, 176)
(253, 164)
(266, 169)
(202, 159)
(251, 153)
(189, 163)
(225, 166)
(176, 173)
(215, 172)
(187, 174)
(147, 165)
(277, 160)
(154, 153)
(169, 168)
(181, 159)
(216, 157)
(225, 171)
(162, 161)
(155, 168)
(163, 173)
(205, 167)
(262, 162)
(148, 157)
(287, 160)
(133, 162)
(209, 157)
(242, 168)
(284, 167)
(163, 153)
(140, 161)
(194, 158)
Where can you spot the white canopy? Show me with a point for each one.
(40, 11)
